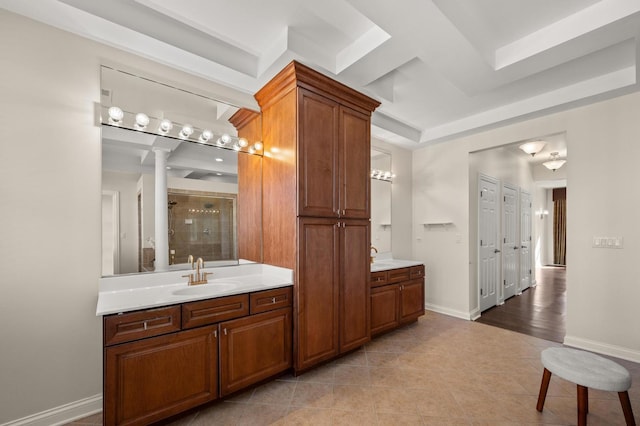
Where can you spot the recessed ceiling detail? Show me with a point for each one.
(442, 68)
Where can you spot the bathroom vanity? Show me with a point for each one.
(397, 294)
(213, 340)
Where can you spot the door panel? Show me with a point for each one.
(318, 155)
(510, 241)
(525, 240)
(354, 296)
(317, 291)
(489, 277)
(355, 156)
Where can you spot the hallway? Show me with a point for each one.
(539, 311)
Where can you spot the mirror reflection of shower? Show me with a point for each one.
(202, 225)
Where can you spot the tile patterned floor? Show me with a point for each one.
(439, 371)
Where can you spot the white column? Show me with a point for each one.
(161, 211)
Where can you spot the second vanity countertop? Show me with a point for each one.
(384, 262)
(125, 293)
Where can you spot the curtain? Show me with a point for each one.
(560, 226)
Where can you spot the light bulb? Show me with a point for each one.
(206, 135)
(142, 121)
(186, 131)
(165, 126)
(224, 139)
(257, 146)
(243, 142)
(115, 115)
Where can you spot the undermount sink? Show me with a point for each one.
(204, 289)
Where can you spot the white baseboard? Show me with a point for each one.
(448, 311)
(63, 414)
(603, 348)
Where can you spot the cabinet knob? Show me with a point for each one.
(273, 300)
(225, 331)
(215, 333)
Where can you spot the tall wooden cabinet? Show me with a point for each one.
(316, 206)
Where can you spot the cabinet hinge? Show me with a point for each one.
(504, 283)
(480, 243)
(480, 292)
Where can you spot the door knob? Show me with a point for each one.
(496, 251)
(516, 247)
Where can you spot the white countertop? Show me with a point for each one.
(384, 262)
(141, 291)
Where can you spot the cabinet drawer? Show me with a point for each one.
(196, 314)
(417, 272)
(398, 275)
(378, 278)
(269, 300)
(138, 325)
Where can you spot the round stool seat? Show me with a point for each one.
(586, 369)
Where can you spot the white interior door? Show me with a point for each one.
(510, 240)
(488, 272)
(525, 240)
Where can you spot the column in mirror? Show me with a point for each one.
(380, 202)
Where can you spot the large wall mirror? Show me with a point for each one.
(169, 176)
(381, 179)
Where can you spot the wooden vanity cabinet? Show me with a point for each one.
(396, 297)
(316, 206)
(160, 362)
(151, 379)
(254, 348)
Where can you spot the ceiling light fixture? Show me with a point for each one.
(554, 163)
(533, 147)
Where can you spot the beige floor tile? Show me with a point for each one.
(438, 371)
(314, 395)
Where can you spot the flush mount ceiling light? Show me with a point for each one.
(115, 115)
(532, 147)
(142, 121)
(554, 163)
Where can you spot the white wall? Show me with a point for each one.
(50, 259)
(602, 199)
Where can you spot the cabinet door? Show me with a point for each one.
(254, 348)
(355, 164)
(411, 300)
(355, 268)
(317, 292)
(384, 308)
(317, 155)
(151, 379)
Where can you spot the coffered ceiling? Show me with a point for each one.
(441, 68)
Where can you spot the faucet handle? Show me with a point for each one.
(190, 276)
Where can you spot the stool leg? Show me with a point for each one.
(626, 408)
(583, 405)
(544, 386)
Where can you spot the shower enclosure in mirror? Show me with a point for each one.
(169, 176)
(381, 178)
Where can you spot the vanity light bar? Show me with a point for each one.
(115, 116)
(384, 175)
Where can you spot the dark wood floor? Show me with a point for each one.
(538, 311)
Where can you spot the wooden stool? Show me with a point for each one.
(587, 370)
